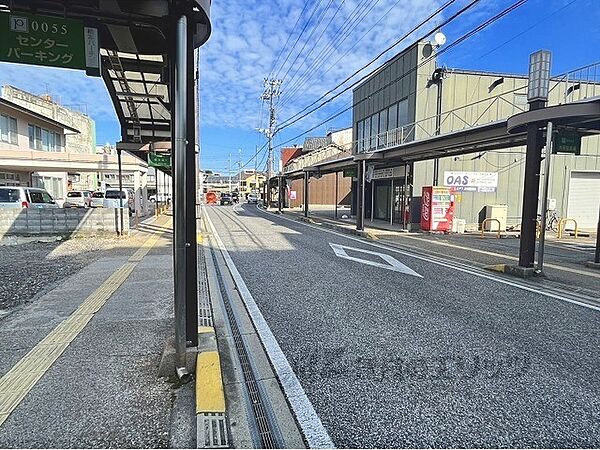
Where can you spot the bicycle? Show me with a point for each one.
(552, 220)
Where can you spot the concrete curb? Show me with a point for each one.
(211, 426)
(592, 265)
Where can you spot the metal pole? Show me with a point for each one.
(157, 198)
(404, 196)
(179, 204)
(336, 195)
(120, 191)
(306, 175)
(597, 255)
(438, 78)
(540, 264)
(531, 189)
(372, 199)
(191, 165)
(279, 197)
(392, 203)
(360, 213)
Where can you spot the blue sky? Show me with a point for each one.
(248, 35)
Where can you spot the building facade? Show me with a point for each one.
(37, 149)
(411, 98)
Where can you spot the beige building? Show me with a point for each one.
(407, 98)
(35, 150)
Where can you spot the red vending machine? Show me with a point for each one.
(437, 208)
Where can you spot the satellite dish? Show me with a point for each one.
(439, 38)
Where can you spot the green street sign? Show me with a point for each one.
(159, 160)
(567, 141)
(49, 41)
(350, 173)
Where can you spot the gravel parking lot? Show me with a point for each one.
(29, 269)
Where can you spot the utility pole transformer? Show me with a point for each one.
(272, 90)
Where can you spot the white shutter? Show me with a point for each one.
(584, 198)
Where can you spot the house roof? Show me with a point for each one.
(38, 116)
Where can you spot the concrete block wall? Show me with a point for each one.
(38, 222)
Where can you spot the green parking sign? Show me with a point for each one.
(49, 41)
(567, 141)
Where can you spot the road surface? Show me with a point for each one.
(395, 348)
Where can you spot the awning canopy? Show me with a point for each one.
(133, 39)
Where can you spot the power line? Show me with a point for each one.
(452, 45)
(291, 120)
(349, 24)
(314, 46)
(288, 38)
(298, 38)
(293, 90)
(320, 18)
(343, 33)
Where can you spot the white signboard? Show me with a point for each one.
(471, 181)
(389, 172)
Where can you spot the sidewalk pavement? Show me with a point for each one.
(78, 365)
(564, 259)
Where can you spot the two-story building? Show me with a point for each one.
(411, 98)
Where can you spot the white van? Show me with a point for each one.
(112, 199)
(25, 197)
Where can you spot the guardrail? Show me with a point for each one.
(561, 226)
(490, 219)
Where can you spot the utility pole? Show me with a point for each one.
(239, 172)
(272, 90)
(229, 172)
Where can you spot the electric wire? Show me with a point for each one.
(458, 41)
(294, 118)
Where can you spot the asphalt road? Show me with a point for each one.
(451, 358)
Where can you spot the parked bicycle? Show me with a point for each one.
(552, 219)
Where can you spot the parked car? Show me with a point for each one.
(253, 198)
(211, 198)
(226, 199)
(112, 199)
(25, 197)
(161, 198)
(97, 199)
(78, 199)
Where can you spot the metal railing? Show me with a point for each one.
(577, 84)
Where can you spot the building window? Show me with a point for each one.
(393, 117)
(9, 179)
(8, 129)
(54, 185)
(403, 118)
(359, 135)
(45, 140)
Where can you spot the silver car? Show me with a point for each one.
(78, 199)
(25, 197)
(97, 199)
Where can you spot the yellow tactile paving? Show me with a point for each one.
(19, 380)
(203, 329)
(209, 384)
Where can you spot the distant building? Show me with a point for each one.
(243, 182)
(401, 100)
(43, 144)
(322, 191)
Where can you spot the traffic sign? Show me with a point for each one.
(49, 41)
(162, 160)
(567, 141)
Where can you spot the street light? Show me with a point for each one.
(539, 76)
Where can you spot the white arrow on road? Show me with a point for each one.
(392, 263)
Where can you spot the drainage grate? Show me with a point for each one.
(264, 420)
(212, 430)
(205, 318)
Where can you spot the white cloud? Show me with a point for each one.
(248, 36)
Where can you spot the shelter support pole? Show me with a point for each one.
(531, 190)
(305, 200)
(179, 133)
(597, 255)
(335, 215)
(360, 209)
(191, 286)
(120, 190)
(540, 264)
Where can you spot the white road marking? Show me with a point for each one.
(392, 263)
(443, 263)
(314, 432)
